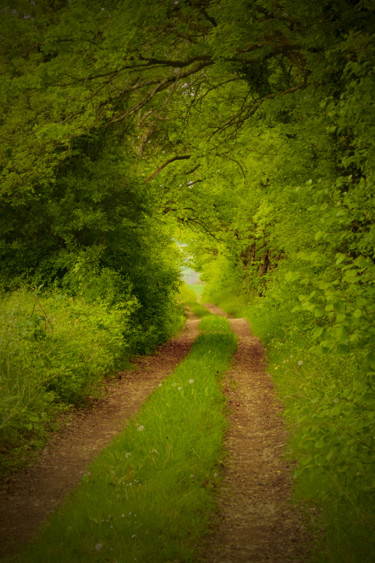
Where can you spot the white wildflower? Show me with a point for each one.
(191, 380)
(140, 428)
(98, 546)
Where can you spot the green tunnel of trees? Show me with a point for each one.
(244, 128)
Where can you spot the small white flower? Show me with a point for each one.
(179, 388)
(191, 380)
(122, 515)
(98, 546)
(128, 454)
(140, 428)
(159, 384)
(133, 536)
(300, 363)
(291, 356)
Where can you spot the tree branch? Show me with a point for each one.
(156, 172)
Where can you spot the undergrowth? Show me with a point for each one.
(55, 350)
(148, 496)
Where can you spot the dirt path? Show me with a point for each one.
(28, 497)
(256, 522)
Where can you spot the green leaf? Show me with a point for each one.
(340, 257)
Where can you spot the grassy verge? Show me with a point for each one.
(198, 288)
(329, 408)
(148, 496)
(55, 350)
(189, 297)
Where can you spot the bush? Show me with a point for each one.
(54, 350)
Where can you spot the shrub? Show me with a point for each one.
(54, 350)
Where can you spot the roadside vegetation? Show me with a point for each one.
(150, 492)
(198, 289)
(189, 295)
(329, 410)
(55, 351)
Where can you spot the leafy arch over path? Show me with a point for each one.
(233, 118)
(233, 114)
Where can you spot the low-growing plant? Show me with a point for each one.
(189, 299)
(198, 289)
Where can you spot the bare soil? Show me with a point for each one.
(256, 521)
(29, 496)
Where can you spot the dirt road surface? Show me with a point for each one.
(256, 521)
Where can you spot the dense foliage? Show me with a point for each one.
(251, 123)
(54, 352)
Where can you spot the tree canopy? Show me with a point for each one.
(250, 122)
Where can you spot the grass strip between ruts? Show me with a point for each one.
(149, 494)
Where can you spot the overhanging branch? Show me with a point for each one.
(156, 172)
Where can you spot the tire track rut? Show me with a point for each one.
(30, 495)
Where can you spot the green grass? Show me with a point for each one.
(199, 310)
(330, 411)
(149, 495)
(189, 298)
(198, 288)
